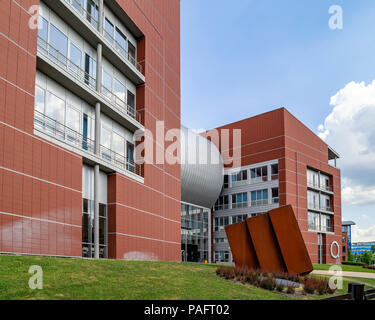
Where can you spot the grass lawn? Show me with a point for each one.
(344, 268)
(65, 278)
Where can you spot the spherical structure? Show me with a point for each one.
(202, 169)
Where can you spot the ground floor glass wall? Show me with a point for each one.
(194, 233)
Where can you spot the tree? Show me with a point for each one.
(350, 256)
(366, 258)
(373, 249)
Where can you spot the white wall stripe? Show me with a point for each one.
(141, 237)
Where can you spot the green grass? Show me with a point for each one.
(344, 268)
(115, 279)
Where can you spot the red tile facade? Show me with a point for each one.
(41, 183)
(279, 135)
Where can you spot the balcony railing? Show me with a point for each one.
(315, 185)
(326, 228)
(121, 104)
(313, 227)
(258, 179)
(275, 176)
(256, 203)
(60, 59)
(315, 206)
(218, 207)
(84, 13)
(237, 205)
(316, 227)
(120, 161)
(239, 183)
(51, 127)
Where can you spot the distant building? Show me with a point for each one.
(361, 247)
(346, 238)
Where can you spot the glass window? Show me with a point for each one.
(107, 84)
(121, 43)
(55, 108)
(274, 171)
(43, 28)
(119, 90)
(226, 181)
(108, 30)
(90, 70)
(131, 51)
(78, 4)
(39, 99)
(92, 13)
(131, 103)
(59, 43)
(75, 57)
(118, 144)
(73, 119)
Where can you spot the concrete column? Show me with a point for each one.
(100, 12)
(99, 68)
(97, 129)
(209, 237)
(96, 211)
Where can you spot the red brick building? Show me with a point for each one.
(282, 162)
(46, 156)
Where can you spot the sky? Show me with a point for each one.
(240, 58)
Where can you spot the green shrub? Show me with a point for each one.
(352, 263)
(290, 289)
(280, 287)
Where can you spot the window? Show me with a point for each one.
(239, 218)
(275, 171)
(90, 70)
(78, 4)
(220, 240)
(105, 141)
(325, 202)
(130, 157)
(239, 178)
(221, 256)
(108, 30)
(92, 13)
(313, 221)
(39, 99)
(275, 195)
(43, 33)
(107, 84)
(259, 198)
(222, 203)
(343, 249)
(118, 146)
(59, 45)
(313, 199)
(131, 51)
(120, 92)
(258, 174)
(55, 108)
(325, 223)
(75, 57)
(121, 43)
(131, 103)
(220, 223)
(324, 182)
(73, 121)
(343, 239)
(226, 181)
(312, 178)
(239, 200)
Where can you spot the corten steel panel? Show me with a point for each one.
(241, 246)
(289, 237)
(265, 243)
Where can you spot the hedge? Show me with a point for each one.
(351, 263)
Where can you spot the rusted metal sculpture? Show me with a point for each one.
(270, 242)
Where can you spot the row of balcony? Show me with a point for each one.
(252, 181)
(317, 185)
(58, 131)
(81, 75)
(94, 21)
(253, 203)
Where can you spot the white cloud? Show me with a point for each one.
(363, 234)
(350, 130)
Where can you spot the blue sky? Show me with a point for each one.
(241, 58)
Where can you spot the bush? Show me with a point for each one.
(290, 289)
(280, 287)
(352, 263)
(309, 285)
(369, 267)
(268, 283)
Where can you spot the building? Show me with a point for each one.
(359, 248)
(72, 94)
(281, 162)
(346, 238)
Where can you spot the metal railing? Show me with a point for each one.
(318, 186)
(120, 161)
(256, 203)
(121, 50)
(275, 200)
(326, 228)
(61, 132)
(237, 205)
(315, 206)
(218, 207)
(317, 227)
(84, 13)
(313, 227)
(59, 58)
(121, 104)
(275, 176)
(258, 179)
(239, 183)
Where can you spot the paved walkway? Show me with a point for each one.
(348, 274)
